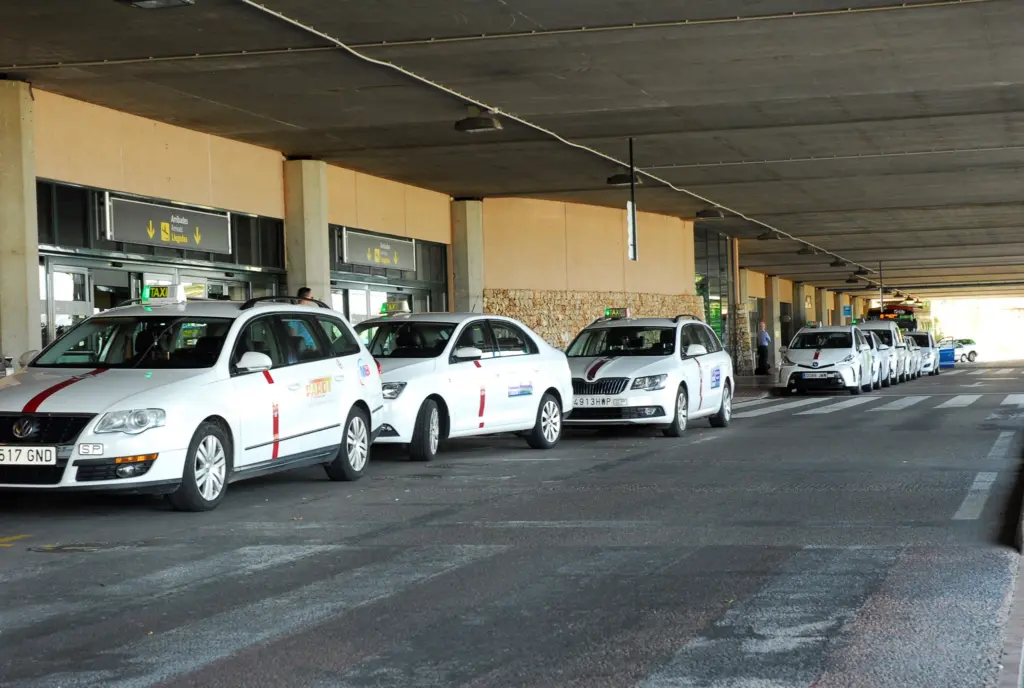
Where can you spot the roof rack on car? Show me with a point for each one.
(687, 316)
(293, 300)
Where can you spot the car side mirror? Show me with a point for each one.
(468, 353)
(696, 350)
(27, 357)
(254, 362)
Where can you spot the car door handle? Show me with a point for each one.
(294, 386)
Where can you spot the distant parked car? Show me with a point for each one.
(964, 349)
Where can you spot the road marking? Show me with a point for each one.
(841, 406)
(1002, 446)
(977, 495)
(951, 372)
(978, 372)
(960, 401)
(900, 404)
(1003, 371)
(1013, 400)
(11, 539)
(779, 407)
(752, 402)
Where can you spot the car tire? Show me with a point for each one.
(680, 415)
(724, 415)
(887, 382)
(207, 463)
(426, 433)
(354, 451)
(548, 428)
(857, 386)
(972, 357)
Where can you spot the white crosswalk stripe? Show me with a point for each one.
(960, 401)
(1013, 400)
(978, 372)
(951, 372)
(841, 406)
(748, 403)
(1004, 371)
(900, 404)
(780, 407)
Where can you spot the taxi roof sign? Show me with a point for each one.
(616, 313)
(389, 307)
(163, 293)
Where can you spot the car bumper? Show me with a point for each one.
(90, 473)
(398, 420)
(795, 377)
(628, 408)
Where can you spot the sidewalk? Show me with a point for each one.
(752, 387)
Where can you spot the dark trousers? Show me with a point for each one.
(762, 360)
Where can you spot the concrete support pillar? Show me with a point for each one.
(745, 358)
(837, 313)
(468, 256)
(800, 315)
(821, 297)
(773, 319)
(19, 232)
(308, 241)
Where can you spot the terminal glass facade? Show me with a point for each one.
(713, 275)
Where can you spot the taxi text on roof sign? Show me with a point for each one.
(389, 307)
(162, 293)
(616, 313)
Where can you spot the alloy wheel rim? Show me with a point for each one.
(550, 421)
(435, 431)
(681, 409)
(727, 403)
(356, 445)
(210, 468)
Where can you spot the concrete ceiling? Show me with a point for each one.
(877, 131)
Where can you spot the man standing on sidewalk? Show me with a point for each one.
(763, 340)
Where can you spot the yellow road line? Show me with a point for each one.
(9, 541)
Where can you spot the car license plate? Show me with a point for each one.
(596, 402)
(815, 376)
(28, 456)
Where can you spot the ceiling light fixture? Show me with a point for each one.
(768, 236)
(157, 4)
(852, 280)
(479, 122)
(807, 251)
(623, 179)
(838, 263)
(862, 272)
(711, 214)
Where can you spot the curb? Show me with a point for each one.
(1011, 672)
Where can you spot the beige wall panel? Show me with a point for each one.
(755, 284)
(428, 215)
(244, 176)
(380, 205)
(595, 248)
(341, 197)
(76, 142)
(686, 267)
(662, 267)
(785, 291)
(524, 244)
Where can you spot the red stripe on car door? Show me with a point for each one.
(483, 404)
(277, 432)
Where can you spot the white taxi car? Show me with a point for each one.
(651, 371)
(449, 375)
(929, 351)
(184, 397)
(892, 346)
(914, 357)
(823, 358)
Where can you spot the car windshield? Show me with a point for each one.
(822, 340)
(624, 341)
(405, 339)
(149, 341)
(884, 336)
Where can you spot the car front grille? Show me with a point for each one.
(51, 428)
(33, 475)
(621, 413)
(607, 386)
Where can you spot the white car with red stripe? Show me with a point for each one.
(828, 358)
(183, 398)
(650, 371)
(449, 375)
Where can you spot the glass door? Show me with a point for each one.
(72, 297)
(227, 291)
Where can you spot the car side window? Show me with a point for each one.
(712, 337)
(476, 334)
(341, 341)
(301, 344)
(685, 340)
(510, 340)
(697, 335)
(258, 336)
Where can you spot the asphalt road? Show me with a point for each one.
(818, 541)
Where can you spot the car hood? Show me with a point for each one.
(823, 357)
(600, 367)
(80, 390)
(401, 369)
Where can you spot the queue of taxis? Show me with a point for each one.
(182, 397)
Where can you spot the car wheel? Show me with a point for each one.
(426, 434)
(724, 415)
(972, 357)
(682, 412)
(548, 428)
(857, 386)
(204, 479)
(887, 382)
(354, 452)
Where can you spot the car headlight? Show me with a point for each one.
(848, 359)
(650, 383)
(786, 361)
(392, 390)
(131, 422)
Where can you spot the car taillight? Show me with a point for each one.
(380, 371)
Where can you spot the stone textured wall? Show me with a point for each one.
(743, 357)
(558, 316)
